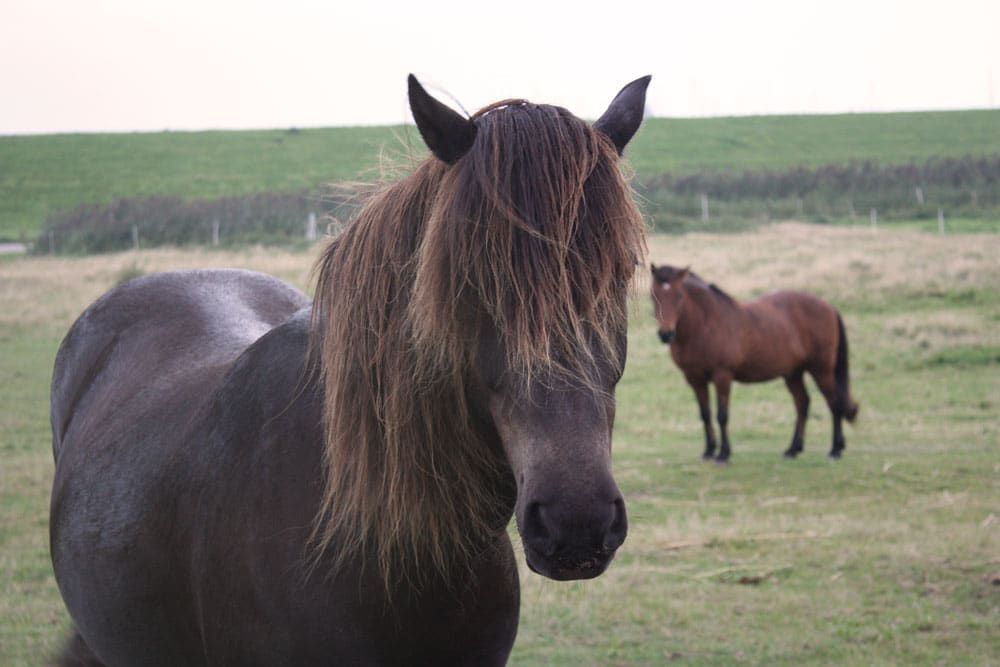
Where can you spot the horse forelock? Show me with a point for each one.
(537, 227)
(533, 233)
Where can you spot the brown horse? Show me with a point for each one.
(714, 339)
(245, 478)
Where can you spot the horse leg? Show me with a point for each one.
(700, 387)
(828, 385)
(838, 437)
(723, 382)
(801, 397)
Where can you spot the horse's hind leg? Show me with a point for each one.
(700, 387)
(76, 653)
(801, 397)
(828, 385)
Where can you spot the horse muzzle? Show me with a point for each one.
(568, 568)
(666, 336)
(568, 548)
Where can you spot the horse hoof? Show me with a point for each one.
(835, 454)
(707, 456)
(791, 453)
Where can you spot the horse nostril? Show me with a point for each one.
(666, 336)
(615, 535)
(535, 533)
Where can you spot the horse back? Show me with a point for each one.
(145, 337)
(788, 331)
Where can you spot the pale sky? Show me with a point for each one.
(98, 65)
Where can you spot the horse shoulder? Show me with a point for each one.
(259, 464)
(704, 337)
(265, 428)
(689, 349)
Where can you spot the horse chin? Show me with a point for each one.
(563, 568)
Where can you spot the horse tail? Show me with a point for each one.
(76, 653)
(840, 373)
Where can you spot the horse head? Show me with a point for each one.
(539, 264)
(668, 295)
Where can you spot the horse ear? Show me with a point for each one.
(446, 133)
(652, 267)
(620, 122)
(682, 273)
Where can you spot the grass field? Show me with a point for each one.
(889, 556)
(40, 175)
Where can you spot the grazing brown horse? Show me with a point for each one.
(245, 478)
(714, 339)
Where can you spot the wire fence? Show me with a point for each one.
(265, 218)
(937, 191)
(677, 214)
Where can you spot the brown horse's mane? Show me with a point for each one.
(692, 279)
(710, 291)
(714, 289)
(532, 233)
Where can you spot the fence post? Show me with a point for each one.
(798, 207)
(52, 242)
(215, 232)
(873, 215)
(311, 227)
(850, 207)
(135, 236)
(704, 206)
(920, 194)
(940, 221)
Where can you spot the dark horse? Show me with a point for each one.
(714, 339)
(243, 478)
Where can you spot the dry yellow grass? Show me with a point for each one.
(47, 290)
(834, 261)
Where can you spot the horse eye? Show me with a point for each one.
(492, 373)
(497, 383)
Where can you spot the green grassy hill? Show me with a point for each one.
(689, 145)
(40, 175)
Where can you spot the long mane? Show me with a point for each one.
(714, 289)
(534, 234)
(665, 272)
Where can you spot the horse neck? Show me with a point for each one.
(701, 308)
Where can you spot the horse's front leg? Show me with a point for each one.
(723, 380)
(700, 387)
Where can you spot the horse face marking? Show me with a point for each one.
(668, 296)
